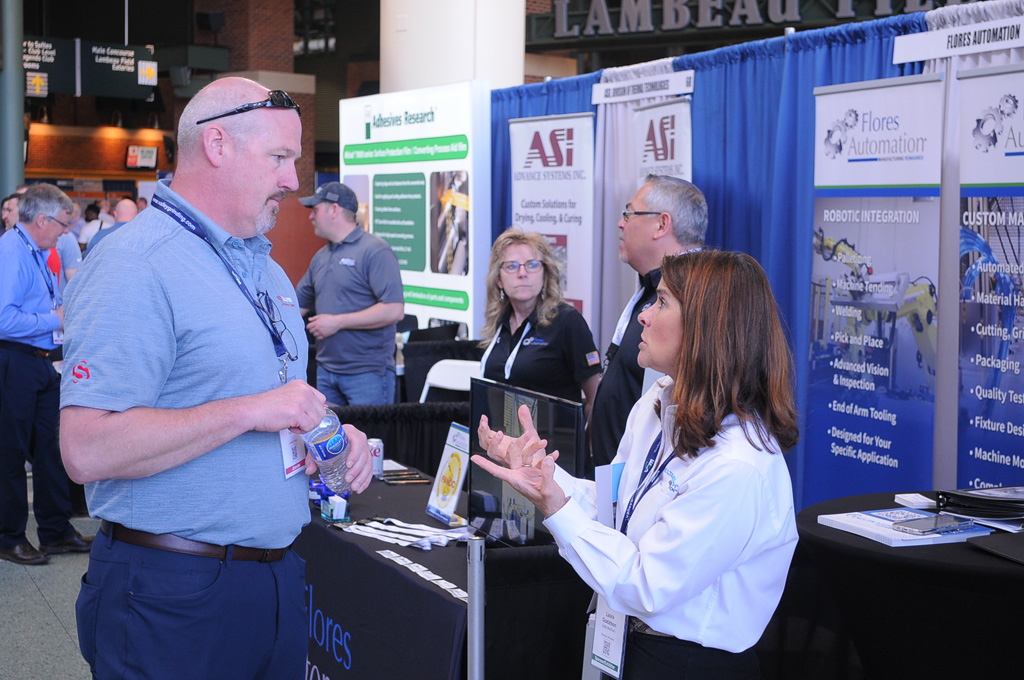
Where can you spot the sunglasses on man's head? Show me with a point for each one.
(276, 99)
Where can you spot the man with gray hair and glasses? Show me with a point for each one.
(182, 397)
(31, 328)
(666, 216)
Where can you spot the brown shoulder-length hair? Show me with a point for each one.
(734, 357)
(550, 295)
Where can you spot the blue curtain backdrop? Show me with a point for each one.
(753, 150)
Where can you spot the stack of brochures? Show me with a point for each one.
(1000, 507)
(877, 525)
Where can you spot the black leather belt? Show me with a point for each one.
(31, 350)
(187, 546)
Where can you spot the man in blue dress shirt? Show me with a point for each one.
(31, 323)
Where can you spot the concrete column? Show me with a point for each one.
(437, 42)
(12, 92)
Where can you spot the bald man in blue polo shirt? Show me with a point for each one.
(183, 387)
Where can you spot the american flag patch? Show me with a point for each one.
(593, 358)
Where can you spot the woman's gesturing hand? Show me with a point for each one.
(525, 464)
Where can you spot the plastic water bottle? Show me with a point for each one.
(329, 445)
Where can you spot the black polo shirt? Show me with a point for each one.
(621, 385)
(553, 359)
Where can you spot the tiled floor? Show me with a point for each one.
(38, 637)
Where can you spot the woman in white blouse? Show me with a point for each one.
(704, 528)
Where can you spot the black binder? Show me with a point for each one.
(1004, 502)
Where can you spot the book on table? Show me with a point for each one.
(877, 525)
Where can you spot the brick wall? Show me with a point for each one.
(89, 152)
(538, 7)
(360, 72)
(259, 33)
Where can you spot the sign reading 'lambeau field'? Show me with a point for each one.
(671, 16)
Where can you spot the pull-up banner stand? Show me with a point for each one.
(871, 408)
(553, 194)
(419, 161)
(990, 446)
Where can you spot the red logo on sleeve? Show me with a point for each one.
(80, 372)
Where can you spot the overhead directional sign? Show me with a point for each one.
(86, 68)
(117, 70)
(49, 66)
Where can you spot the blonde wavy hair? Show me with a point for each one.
(550, 294)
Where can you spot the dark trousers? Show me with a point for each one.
(151, 614)
(29, 412)
(657, 656)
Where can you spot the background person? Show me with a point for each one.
(70, 258)
(355, 287)
(9, 211)
(705, 528)
(31, 317)
(177, 406)
(534, 338)
(91, 227)
(124, 212)
(666, 216)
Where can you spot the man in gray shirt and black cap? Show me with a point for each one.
(354, 289)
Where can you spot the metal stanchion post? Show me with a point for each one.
(475, 645)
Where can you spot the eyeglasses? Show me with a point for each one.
(627, 214)
(276, 99)
(66, 225)
(532, 266)
(269, 308)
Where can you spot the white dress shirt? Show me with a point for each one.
(708, 548)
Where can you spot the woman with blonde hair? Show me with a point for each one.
(697, 557)
(534, 338)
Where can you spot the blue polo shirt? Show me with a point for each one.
(154, 319)
(26, 301)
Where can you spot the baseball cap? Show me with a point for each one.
(336, 192)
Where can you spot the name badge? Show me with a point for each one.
(293, 453)
(347, 261)
(58, 337)
(609, 639)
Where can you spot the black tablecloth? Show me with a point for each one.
(938, 611)
(393, 624)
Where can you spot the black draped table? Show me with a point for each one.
(935, 611)
(370, 617)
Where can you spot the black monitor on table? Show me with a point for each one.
(496, 509)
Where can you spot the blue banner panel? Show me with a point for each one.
(871, 408)
(990, 447)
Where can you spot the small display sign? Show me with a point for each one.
(141, 156)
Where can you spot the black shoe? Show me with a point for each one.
(23, 553)
(74, 542)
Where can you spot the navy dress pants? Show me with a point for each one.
(145, 613)
(29, 412)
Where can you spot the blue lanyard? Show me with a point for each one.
(651, 480)
(43, 269)
(185, 221)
